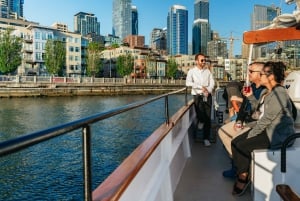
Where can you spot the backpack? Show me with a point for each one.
(294, 110)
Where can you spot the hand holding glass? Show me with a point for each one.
(247, 88)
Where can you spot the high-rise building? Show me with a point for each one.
(201, 36)
(121, 18)
(177, 25)
(16, 8)
(201, 27)
(135, 20)
(4, 9)
(156, 32)
(201, 9)
(86, 23)
(262, 16)
(217, 47)
(158, 39)
(11, 9)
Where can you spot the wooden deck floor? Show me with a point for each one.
(202, 178)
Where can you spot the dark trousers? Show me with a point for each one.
(203, 111)
(242, 148)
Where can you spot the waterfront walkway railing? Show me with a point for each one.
(25, 141)
(85, 80)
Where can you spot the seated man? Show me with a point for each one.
(234, 128)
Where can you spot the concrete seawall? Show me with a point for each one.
(85, 90)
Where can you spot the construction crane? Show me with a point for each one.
(231, 40)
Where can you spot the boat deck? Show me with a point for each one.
(202, 176)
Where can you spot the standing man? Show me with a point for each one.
(202, 82)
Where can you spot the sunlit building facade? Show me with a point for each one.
(121, 18)
(263, 16)
(177, 30)
(201, 27)
(135, 20)
(86, 23)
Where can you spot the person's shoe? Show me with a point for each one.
(231, 173)
(206, 143)
(200, 125)
(238, 190)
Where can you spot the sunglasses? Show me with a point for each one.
(266, 73)
(203, 60)
(252, 71)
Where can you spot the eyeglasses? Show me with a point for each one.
(203, 60)
(266, 73)
(252, 71)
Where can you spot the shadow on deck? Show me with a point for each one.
(202, 178)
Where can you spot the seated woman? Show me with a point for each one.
(273, 127)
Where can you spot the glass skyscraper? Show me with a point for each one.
(11, 9)
(201, 9)
(201, 27)
(121, 18)
(177, 33)
(16, 6)
(135, 20)
(4, 9)
(262, 16)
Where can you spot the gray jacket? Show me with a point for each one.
(277, 119)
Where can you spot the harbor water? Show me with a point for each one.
(53, 170)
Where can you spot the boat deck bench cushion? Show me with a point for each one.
(286, 193)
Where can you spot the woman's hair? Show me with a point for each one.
(277, 69)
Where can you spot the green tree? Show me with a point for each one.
(10, 51)
(125, 64)
(93, 58)
(171, 68)
(55, 57)
(114, 46)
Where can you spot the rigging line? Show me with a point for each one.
(280, 6)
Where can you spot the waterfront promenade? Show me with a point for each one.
(40, 86)
(36, 86)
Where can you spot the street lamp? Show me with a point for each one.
(110, 63)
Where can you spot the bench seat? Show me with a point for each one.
(286, 193)
(266, 173)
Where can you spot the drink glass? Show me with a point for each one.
(238, 125)
(246, 88)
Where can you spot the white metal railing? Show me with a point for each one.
(52, 79)
(159, 175)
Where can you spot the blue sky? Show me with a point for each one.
(226, 16)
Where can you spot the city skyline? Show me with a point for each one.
(153, 14)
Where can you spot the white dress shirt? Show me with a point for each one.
(198, 78)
